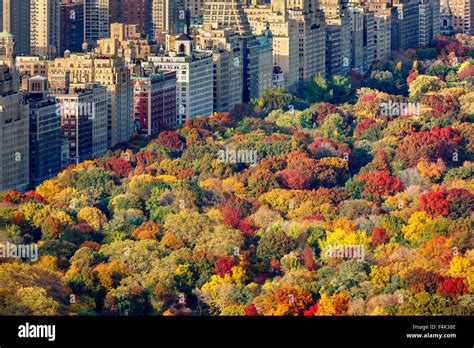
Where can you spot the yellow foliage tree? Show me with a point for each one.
(49, 189)
(460, 267)
(416, 223)
(337, 304)
(380, 275)
(93, 217)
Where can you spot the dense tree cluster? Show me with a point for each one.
(352, 197)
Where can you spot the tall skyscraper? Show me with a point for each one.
(169, 16)
(227, 54)
(463, 15)
(132, 12)
(336, 15)
(14, 123)
(333, 50)
(357, 37)
(299, 37)
(429, 12)
(96, 21)
(285, 45)
(16, 20)
(229, 14)
(83, 121)
(44, 26)
(45, 131)
(311, 38)
(407, 25)
(71, 22)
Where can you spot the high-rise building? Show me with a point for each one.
(44, 27)
(83, 121)
(136, 12)
(45, 132)
(386, 19)
(336, 15)
(285, 45)
(357, 37)
(265, 60)
(299, 37)
(76, 124)
(227, 54)
(230, 14)
(196, 11)
(109, 71)
(194, 74)
(16, 20)
(71, 22)
(383, 32)
(430, 25)
(311, 38)
(96, 21)
(154, 101)
(168, 16)
(333, 50)
(407, 25)
(14, 133)
(368, 38)
(463, 15)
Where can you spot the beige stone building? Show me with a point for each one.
(299, 37)
(285, 39)
(108, 71)
(125, 41)
(44, 24)
(227, 54)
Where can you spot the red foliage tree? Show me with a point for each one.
(232, 217)
(433, 144)
(311, 311)
(120, 166)
(454, 203)
(379, 236)
(442, 105)
(170, 140)
(251, 310)
(461, 203)
(363, 126)
(33, 196)
(453, 287)
(435, 203)
(293, 179)
(420, 280)
(322, 110)
(247, 226)
(380, 182)
(458, 49)
(223, 266)
(308, 258)
(13, 197)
